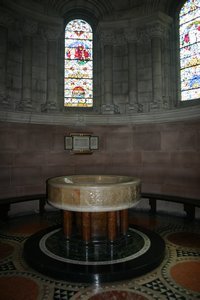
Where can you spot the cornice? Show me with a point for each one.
(21, 11)
(79, 119)
(135, 21)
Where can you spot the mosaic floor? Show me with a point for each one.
(178, 276)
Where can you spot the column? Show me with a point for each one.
(132, 73)
(124, 221)
(6, 20)
(67, 223)
(156, 53)
(26, 104)
(108, 75)
(132, 106)
(86, 226)
(52, 51)
(3, 66)
(156, 69)
(107, 39)
(112, 225)
(27, 73)
(167, 78)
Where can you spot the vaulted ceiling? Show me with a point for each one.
(100, 9)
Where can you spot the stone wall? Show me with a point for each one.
(142, 127)
(132, 60)
(165, 156)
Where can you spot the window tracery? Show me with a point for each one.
(78, 77)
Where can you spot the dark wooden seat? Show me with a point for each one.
(189, 203)
(6, 202)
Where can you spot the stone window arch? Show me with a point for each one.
(78, 64)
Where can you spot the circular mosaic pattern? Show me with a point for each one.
(18, 288)
(5, 250)
(185, 239)
(50, 253)
(127, 248)
(118, 295)
(187, 274)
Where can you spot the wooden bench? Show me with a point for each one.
(6, 202)
(189, 203)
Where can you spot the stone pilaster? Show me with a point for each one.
(4, 100)
(6, 20)
(52, 49)
(29, 28)
(107, 40)
(167, 78)
(156, 32)
(132, 106)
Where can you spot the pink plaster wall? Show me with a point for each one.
(165, 156)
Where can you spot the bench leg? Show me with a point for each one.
(67, 223)
(4, 211)
(190, 211)
(112, 225)
(42, 203)
(86, 226)
(124, 221)
(152, 203)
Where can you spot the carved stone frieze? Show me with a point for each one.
(130, 35)
(6, 19)
(30, 27)
(134, 108)
(119, 39)
(24, 105)
(157, 30)
(143, 36)
(110, 109)
(15, 35)
(49, 107)
(107, 37)
(160, 104)
(5, 101)
(50, 33)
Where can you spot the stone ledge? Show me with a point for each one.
(179, 114)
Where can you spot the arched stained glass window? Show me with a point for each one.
(189, 31)
(78, 85)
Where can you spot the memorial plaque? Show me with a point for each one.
(80, 143)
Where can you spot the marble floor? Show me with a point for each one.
(177, 277)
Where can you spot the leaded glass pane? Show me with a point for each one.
(189, 30)
(78, 83)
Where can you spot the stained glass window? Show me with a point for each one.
(189, 30)
(78, 85)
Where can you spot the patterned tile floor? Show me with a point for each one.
(178, 276)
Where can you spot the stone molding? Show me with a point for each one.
(15, 36)
(6, 19)
(119, 39)
(157, 30)
(52, 33)
(179, 114)
(143, 35)
(153, 30)
(109, 109)
(107, 37)
(137, 34)
(130, 35)
(30, 27)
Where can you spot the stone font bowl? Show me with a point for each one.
(93, 193)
